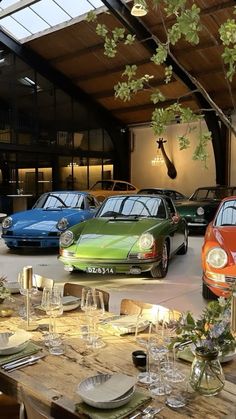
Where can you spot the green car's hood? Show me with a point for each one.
(188, 207)
(101, 237)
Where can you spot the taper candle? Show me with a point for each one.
(27, 277)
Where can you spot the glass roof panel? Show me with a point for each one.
(50, 12)
(42, 15)
(15, 28)
(30, 20)
(74, 7)
(7, 3)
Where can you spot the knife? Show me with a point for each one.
(22, 361)
(22, 365)
(22, 358)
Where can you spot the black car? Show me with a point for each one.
(201, 207)
(174, 195)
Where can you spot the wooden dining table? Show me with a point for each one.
(54, 379)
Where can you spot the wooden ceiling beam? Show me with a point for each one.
(78, 54)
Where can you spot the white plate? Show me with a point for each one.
(228, 357)
(16, 343)
(127, 324)
(72, 306)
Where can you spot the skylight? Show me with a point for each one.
(22, 19)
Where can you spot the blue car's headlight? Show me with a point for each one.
(146, 241)
(7, 222)
(62, 224)
(66, 238)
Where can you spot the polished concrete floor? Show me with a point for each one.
(181, 289)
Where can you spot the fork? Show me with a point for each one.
(147, 413)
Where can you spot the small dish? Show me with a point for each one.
(91, 382)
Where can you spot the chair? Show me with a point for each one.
(41, 281)
(31, 408)
(9, 407)
(76, 291)
(147, 309)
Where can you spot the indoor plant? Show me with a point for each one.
(4, 291)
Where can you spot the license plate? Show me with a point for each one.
(100, 270)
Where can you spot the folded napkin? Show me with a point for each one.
(124, 324)
(138, 400)
(30, 349)
(114, 387)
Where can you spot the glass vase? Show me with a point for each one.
(206, 376)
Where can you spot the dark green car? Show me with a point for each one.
(129, 234)
(201, 207)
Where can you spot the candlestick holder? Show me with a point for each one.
(26, 283)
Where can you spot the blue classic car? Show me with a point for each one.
(53, 213)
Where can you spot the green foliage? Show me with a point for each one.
(168, 74)
(157, 96)
(200, 152)
(91, 16)
(174, 6)
(129, 39)
(227, 33)
(161, 55)
(184, 142)
(101, 30)
(211, 330)
(125, 90)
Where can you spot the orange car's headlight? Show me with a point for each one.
(217, 257)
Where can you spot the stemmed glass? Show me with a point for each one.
(169, 333)
(92, 304)
(143, 338)
(52, 302)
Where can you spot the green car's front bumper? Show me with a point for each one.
(104, 266)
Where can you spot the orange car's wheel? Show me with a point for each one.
(207, 293)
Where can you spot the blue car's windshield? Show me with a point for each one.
(227, 214)
(60, 200)
(141, 206)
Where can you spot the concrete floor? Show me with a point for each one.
(181, 289)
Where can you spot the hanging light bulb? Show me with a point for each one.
(139, 8)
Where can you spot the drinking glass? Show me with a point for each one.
(158, 351)
(177, 397)
(143, 337)
(52, 302)
(92, 304)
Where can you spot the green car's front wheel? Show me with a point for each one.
(161, 270)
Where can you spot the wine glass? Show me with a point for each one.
(52, 302)
(158, 351)
(143, 338)
(92, 304)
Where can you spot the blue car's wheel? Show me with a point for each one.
(161, 270)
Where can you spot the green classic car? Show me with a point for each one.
(201, 207)
(129, 234)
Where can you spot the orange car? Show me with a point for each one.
(219, 252)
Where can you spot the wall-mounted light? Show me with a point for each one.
(139, 8)
(74, 164)
(157, 160)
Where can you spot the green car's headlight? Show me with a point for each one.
(146, 241)
(66, 238)
(62, 224)
(200, 211)
(217, 257)
(7, 222)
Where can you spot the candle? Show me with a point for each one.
(27, 277)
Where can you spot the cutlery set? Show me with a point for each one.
(148, 413)
(21, 363)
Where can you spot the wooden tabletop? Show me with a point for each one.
(53, 380)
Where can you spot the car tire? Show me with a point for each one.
(184, 248)
(207, 293)
(160, 271)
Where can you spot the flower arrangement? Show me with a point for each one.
(4, 292)
(212, 331)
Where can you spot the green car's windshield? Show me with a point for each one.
(209, 194)
(133, 206)
(227, 214)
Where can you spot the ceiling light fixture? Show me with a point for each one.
(139, 8)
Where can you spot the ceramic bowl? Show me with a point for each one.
(96, 380)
